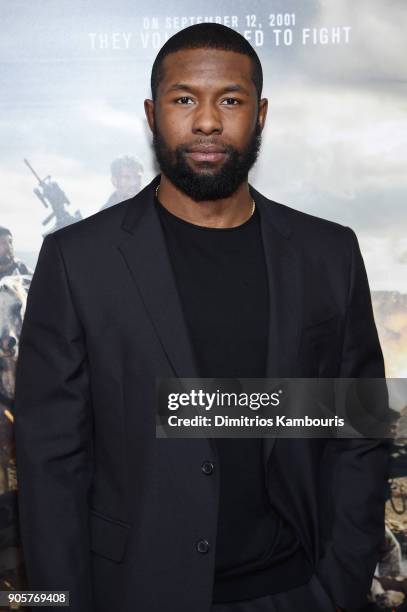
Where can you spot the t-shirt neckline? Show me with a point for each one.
(174, 218)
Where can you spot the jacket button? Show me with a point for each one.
(202, 546)
(207, 467)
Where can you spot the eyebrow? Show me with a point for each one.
(227, 88)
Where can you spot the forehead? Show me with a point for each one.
(206, 67)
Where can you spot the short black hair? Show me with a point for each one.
(207, 36)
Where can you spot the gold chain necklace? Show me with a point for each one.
(251, 214)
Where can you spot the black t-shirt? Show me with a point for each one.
(221, 277)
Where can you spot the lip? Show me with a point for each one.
(201, 156)
(208, 153)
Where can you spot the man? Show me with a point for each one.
(126, 177)
(206, 277)
(9, 264)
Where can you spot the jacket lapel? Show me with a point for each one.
(285, 294)
(283, 261)
(145, 253)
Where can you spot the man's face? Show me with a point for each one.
(6, 249)
(206, 121)
(127, 182)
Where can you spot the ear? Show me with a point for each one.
(149, 111)
(263, 107)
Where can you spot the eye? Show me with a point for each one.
(234, 101)
(183, 98)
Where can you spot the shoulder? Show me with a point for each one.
(309, 231)
(100, 228)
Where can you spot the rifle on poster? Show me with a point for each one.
(52, 196)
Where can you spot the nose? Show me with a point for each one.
(207, 119)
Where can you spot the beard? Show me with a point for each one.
(207, 184)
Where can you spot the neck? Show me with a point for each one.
(225, 212)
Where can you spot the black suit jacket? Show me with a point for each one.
(111, 513)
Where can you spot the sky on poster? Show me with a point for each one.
(74, 77)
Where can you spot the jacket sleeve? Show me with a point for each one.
(361, 466)
(53, 435)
